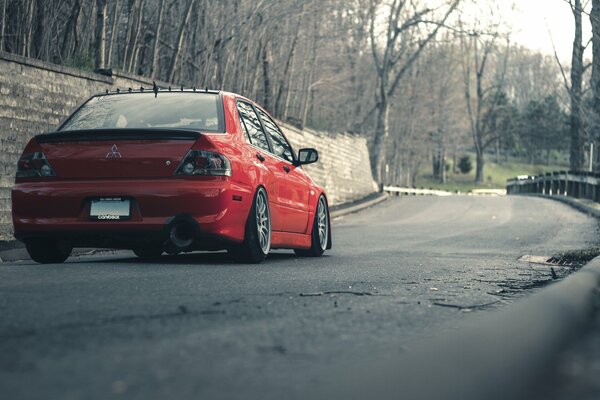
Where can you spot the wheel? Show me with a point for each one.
(48, 251)
(320, 232)
(257, 238)
(148, 253)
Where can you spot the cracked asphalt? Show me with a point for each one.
(198, 326)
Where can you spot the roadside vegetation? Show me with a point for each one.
(497, 173)
(421, 79)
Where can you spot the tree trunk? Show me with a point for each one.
(136, 41)
(289, 83)
(3, 26)
(595, 83)
(442, 166)
(179, 48)
(100, 34)
(159, 24)
(29, 39)
(308, 89)
(266, 76)
(285, 76)
(128, 33)
(480, 161)
(576, 154)
(70, 37)
(454, 166)
(381, 131)
(114, 33)
(40, 35)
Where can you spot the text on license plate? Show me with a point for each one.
(110, 209)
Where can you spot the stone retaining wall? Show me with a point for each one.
(35, 96)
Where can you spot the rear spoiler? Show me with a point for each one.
(94, 135)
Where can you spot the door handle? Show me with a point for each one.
(260, 157)
(286, 168)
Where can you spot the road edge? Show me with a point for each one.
(506, 354)
(575, 203)
(358, 205)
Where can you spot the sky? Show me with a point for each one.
(537, 23)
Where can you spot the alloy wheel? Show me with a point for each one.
(323, 223)
(263, 222)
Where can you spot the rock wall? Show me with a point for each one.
(35, 96)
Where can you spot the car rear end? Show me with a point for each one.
(132, 170)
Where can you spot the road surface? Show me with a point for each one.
(198, 326)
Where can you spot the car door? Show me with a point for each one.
(262, 156)
(295, 193)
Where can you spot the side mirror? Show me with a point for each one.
(307, 156)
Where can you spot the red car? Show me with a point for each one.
(175, 171)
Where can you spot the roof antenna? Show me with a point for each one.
(155, 89)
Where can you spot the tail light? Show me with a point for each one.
(201, 162)
(34, 165)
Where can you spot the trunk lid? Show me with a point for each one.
(116, 153)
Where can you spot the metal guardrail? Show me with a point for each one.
(415, 192)
(431, 192)
(576, 184)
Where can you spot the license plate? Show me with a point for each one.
(110, 209)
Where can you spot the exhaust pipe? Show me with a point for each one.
(181, 236)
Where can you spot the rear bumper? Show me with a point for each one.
(62, 208)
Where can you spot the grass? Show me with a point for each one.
(495, 176)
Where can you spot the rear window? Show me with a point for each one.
(196, 111)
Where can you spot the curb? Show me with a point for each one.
(507, 355)
(359, 205)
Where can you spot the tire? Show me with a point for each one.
(257, 237)
(320, 232)
(148, 253)
(48, 251)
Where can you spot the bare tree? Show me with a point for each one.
(100, 46)
(156, 47)
(481, 92)
(577, 68)
(2, 24)
(595, 81)
(408, 29)
(180, 35)
(380, 67)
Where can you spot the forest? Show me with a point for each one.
(428, 82)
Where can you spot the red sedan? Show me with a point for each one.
(172, 171)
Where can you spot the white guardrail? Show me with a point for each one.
(415, 192)
(398, 191)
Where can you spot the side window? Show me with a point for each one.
(251, 126)
(281, 147)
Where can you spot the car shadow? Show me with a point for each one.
(196, 258)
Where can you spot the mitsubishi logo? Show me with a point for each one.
(114, 152)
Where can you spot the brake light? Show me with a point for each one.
(201, 162)
(34, 165)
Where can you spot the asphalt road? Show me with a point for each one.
(198, 326)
